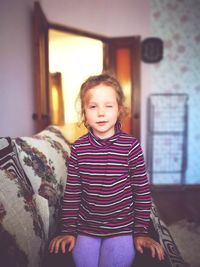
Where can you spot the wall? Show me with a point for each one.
(106, 17)
(177, 22)
(16, 67)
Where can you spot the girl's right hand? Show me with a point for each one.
(60, 242)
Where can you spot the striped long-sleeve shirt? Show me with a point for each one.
(107, 191)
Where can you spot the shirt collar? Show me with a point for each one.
(102, 143)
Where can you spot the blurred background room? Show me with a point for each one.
(47, 49)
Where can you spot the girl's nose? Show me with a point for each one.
(101, 112)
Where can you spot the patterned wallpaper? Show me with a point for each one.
(177, 23)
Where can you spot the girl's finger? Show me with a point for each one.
(71, 246)
(153, 251)
(160, 253)
(63, 245)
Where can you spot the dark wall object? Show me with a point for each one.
(152, 50)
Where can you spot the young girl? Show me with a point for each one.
(107, 202)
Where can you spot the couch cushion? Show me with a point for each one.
(22, 237)
(44, 159)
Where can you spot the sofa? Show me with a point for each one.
(33, 173)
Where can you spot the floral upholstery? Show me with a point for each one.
(43, 158)
(22, 237)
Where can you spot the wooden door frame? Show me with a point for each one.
(41, 115)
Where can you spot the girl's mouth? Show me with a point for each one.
(101, 123)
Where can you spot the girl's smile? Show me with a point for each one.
(101, 123)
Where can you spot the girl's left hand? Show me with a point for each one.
(142, 242)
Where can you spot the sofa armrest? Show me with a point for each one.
(164, 237)
(159, 232)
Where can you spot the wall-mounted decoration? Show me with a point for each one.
(152, 50)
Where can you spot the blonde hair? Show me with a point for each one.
(104, 79)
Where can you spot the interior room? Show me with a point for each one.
(162, 94)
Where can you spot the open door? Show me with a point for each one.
(41, 114)
(122, 57)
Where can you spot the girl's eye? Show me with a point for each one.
(92, 107)
(109, 106)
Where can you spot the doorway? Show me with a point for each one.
(75, 57)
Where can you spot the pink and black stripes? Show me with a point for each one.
(107, 191)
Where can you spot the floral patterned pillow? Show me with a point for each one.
(22, 236)
(44, 159)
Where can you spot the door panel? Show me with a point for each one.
(41, 114)
(122, 58)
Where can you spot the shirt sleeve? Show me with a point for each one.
(141, 190)
(72, 197)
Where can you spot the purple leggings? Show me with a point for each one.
(104, 252)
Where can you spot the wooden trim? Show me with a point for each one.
(41, 69)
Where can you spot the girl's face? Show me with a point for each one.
(101, 110)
